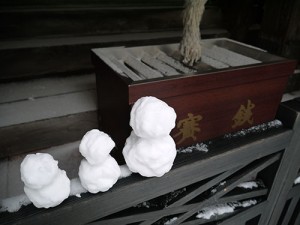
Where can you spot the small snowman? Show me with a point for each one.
(45, 184)
(150, 150)
(99, 171)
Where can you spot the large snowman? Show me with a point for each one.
(150, 150)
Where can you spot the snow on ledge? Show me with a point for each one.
(13, 204)
(200, 147)
(255, 129)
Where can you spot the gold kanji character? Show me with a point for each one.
(243, 115)
(188, 127)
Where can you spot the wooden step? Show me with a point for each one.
(53, 56)
(46, 112)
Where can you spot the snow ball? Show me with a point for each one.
(52, 194)
(152, 118)
(99, 177)
(149, 157)
(95, 146)
(38, 170)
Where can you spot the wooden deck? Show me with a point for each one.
(45, 112)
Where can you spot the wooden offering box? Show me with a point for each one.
(235, 86)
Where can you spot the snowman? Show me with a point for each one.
(45, 184)
(150, 150)
(98, 171)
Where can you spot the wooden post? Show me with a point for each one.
(289, 112)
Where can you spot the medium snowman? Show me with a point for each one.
(98, 171)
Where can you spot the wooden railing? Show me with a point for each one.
(269, 157)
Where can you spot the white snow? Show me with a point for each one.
(125, 171)
(171, 221)
(152, 118)
(38, 170)
(210, 211)
(52, 194)
(76, 188)
(149, 157)
(98, 171)
(99, 177)
(248, 185)
(255, 129)
(95, 146)
(214, 190)
(13, 204)
(200, 147)
(220, 209)
(45, 184)
(297, 180)
(246, 204)
(150, 150)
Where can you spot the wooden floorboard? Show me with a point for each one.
(43, 87)
(45, 133)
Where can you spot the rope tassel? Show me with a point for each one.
(190, 46)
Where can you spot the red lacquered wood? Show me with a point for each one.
(215, 96)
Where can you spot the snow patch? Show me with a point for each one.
(170, 221)
(208, 212)
(297, 180)
(13, 204)
(214, 190)
(248, 185)
(220, 209)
